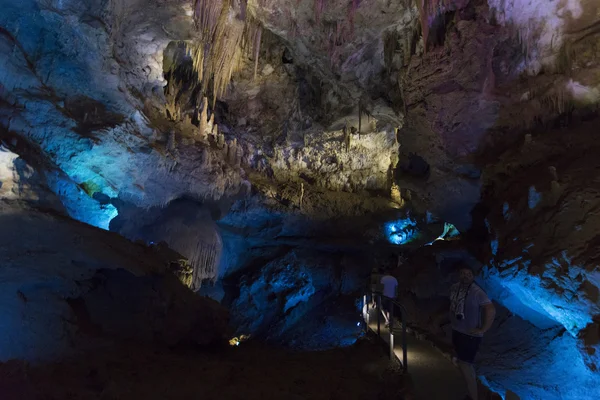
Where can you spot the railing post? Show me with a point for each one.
(391, 329)
(404, 355)
(365, 312)
(368, 297)
(379, 315)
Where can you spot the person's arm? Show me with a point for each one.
(489, 313)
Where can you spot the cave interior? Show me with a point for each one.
(194, 195)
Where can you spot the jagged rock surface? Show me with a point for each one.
(67, 286)
(82, 85)
(73, 102)
(521, 352)
(551, 276)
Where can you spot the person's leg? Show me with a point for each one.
(455, 344)
(466, 347)
(384, 308)
(388, 308)
(468, 372)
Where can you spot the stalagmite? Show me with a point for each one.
(552, 171)
(211, 123)
(232, 151)
(396, 195)
(239, 154)
(359, 118)
(373, 125)
(171, 146)
(346, 136)
(206, 158)
(204, 118)
(555, 193)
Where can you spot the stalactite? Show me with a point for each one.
(424, 20)
(257, 40)
(206, 15)
(197, 54)
(428, 10)
(205, 260)
(359, 118)
(390, 46)
(351, 12)
(225, 51)
(243, 8)
(319, 6)
(340, 33)
(217, 55)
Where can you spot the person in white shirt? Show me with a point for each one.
(390, 289)
(471, 314)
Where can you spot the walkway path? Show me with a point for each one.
(434, 376)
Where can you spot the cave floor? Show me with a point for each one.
(433, 375)
(250, 371)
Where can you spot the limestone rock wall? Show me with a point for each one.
(524, 351)
(67, 286)
(543, 234)
(277, 301)
(82, 84)
(77, 97)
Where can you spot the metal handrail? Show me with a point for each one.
(395, 303)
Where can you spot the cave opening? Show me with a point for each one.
(184, 86)
(439, 28)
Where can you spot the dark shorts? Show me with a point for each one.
(466, 346)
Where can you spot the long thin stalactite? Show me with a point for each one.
(226, 34)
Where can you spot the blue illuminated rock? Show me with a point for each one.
(390, 100)
(66, 286)
(87, 123)
(305, 299)
(543, 266)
